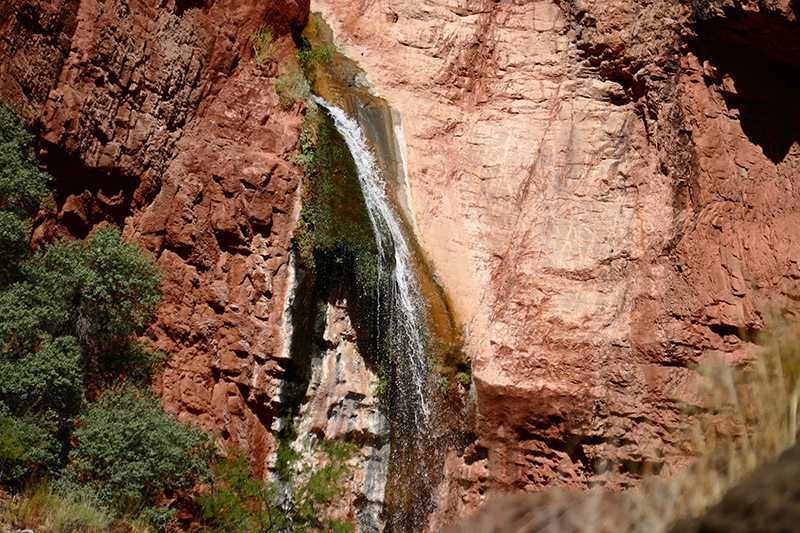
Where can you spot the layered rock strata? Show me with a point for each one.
(154, 115)
(608, 192)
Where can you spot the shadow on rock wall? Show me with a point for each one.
(755, 61)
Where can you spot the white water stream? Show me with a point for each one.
(394, 252)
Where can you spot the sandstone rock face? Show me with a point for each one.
(340, 403)
(608, 192)
(154, 115)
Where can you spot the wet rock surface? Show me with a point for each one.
(341, 403)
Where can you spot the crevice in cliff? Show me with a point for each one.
(759, 80)
(85, 197)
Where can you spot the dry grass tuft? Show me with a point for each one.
(41, 509)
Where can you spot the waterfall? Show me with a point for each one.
(405, 301)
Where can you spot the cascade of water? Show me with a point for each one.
(406, 303)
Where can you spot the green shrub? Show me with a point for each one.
(40, 395)
(27, 445)
(263, 45)
(463, 378)
(300, 500)
(23, 187)
(130, 452)
(69, 321)
(101, 292)
(292, 87)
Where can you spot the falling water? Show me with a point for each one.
(416, 460)
(405, 299)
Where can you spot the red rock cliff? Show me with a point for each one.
(608, 191)
(155, 116)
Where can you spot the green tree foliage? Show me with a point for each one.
(24, 442)
(130, 452)
(23, 187)
(100, 293)
(69, 320)
(70, 316)
(295, 84)
(300, 500)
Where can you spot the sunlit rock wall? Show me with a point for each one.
(607, 191)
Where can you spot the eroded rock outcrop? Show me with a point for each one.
(608, 192)
(155, 116)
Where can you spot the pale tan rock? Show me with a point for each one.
(597, 207)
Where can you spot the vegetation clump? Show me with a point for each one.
(71, 316)
(334, 225)
(23, 190)
(130, 453)
(294, 86)
(45, 510)
(263, 45)
(300, 499)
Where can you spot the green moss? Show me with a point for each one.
(334, 224)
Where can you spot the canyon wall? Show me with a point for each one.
(154, 116)
(608, 192)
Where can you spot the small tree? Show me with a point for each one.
(130, 452)
(70, 317)
(23, 187)
(101, 292)
(300, 500)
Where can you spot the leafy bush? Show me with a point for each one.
(40, 395)
(23, 187)
(294, 86)
(130, 452)
(463, 378)
(68, 321)
(300, 500)
(100, 293)
(27, 444)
